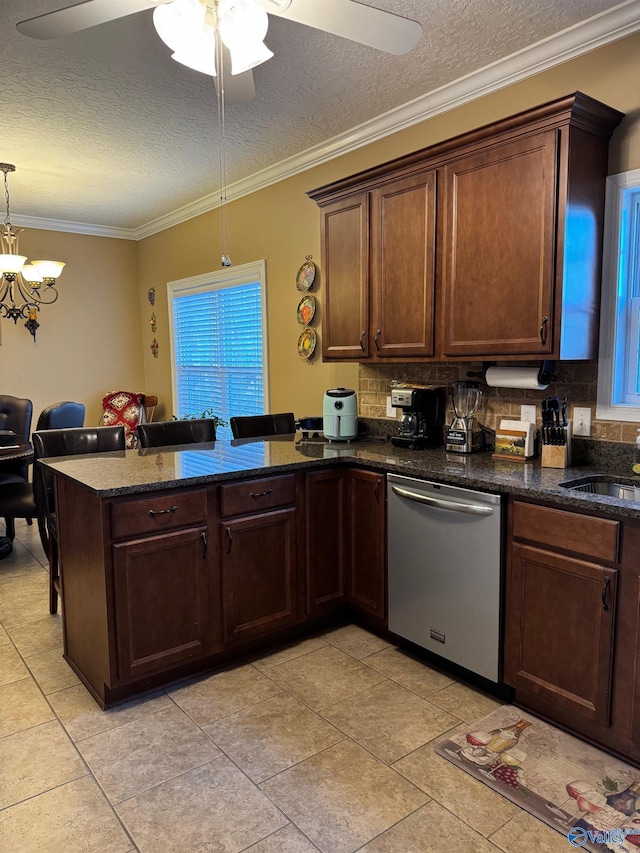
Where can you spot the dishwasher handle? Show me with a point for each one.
(471, 509)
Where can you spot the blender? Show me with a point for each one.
(465, 435)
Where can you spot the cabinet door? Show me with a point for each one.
(325, 540)
(403, 267)
(258, 574)
(162, 604)
(559, 631)
(499, 249)
(367, 543)
(345, 246)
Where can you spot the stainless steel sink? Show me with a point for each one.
(601, 484)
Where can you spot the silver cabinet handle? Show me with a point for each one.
(153, 512)
(259, 494)
(471, 509)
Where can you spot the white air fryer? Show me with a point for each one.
(340, 414)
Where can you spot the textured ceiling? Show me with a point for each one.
(105, 128)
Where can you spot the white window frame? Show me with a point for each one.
(250, 273)
(615, 334)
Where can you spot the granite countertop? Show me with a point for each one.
(137, 471)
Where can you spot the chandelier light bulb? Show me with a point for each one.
(48, 269)
(12, 264)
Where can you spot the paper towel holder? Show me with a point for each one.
(546, 372)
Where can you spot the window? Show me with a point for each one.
(619, 361)
(218, 343)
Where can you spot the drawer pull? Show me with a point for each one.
(229, 540)
(260, 494)
(605, 586)
(203, 539)
(153, 512)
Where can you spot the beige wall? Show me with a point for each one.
(282, 225)
(93, 338)
(89, 341)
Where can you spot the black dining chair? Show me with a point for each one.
(16, 414)
(35, 500)
(254, 426)
(171, 433)
(56, 416)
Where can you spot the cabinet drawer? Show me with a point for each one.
(594, 538)
(257, 495)
(153, 514)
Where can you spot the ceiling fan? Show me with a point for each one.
(200, 31)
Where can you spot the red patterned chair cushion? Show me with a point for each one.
(123, 408)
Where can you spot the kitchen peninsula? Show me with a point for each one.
(178, 560)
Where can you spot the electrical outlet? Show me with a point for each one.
(391, 410)
(528, 414)
(581, 421)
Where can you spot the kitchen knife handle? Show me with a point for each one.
(543, 330)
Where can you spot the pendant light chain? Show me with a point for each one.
(225, 260)
(7, 220)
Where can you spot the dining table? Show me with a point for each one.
(21, 453)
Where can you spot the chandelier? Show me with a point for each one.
(23, 287)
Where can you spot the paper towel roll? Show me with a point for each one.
(514, 377)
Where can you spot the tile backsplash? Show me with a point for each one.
(576, 380)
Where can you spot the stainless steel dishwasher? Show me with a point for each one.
(444, 571)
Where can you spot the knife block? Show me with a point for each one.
(557, 455)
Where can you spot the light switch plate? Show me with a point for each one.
(581, 421)
(391, 410)
(528, 414)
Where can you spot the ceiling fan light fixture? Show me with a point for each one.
(243, 26)
(246, 56)
(204, 62)
(182, 26)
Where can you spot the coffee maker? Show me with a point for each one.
(465, 435)
(422, 421)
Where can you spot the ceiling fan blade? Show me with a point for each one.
(238, 88)
(81, 16)
(352, 20)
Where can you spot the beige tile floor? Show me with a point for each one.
(326, 744)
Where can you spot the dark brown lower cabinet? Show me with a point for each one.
(259, 584)
(559, 638)
(163, 614)
(367, 587)
(325, 540)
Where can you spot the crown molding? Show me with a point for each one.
(598, 31)
(74, 227)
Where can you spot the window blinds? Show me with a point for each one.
(218, 352)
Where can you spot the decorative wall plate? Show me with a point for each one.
(306, 275)
(307, 343)
(306, 309)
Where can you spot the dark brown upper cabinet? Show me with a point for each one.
(487, 245)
